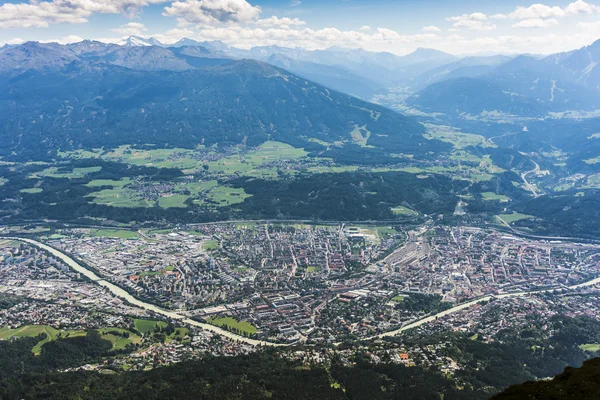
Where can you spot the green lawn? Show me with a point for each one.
(115, 233)
(243, 326)
(399, 299)
(312, 270)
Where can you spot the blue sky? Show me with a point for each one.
(399, 26)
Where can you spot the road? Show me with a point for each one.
(532, 188)
(117, 291)
(471, 303)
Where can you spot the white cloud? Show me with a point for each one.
(537, 11)
(431, 28)
(542, 11)
(474, 22)
(15, 41)
(63, 40)
(536, 23)
(131, 29)
(212, 12)
(581, 7)
(295, 3)
(590, 26)
(365, 28)
(284, 23)
(40, 14)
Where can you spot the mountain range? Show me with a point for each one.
(90, 94)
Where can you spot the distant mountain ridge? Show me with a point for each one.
(89, 95)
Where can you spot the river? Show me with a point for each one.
(117, 291)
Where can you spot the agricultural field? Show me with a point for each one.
(221, 196)
(173, 201)
(252, 163)
(491, 196)
(120, 197)
(459, 140)
(58, 172)
(109, 182)
(245, 328)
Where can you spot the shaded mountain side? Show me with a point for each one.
(91, 104)
(473, 96)
(573, 384)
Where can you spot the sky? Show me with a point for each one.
(397, 26)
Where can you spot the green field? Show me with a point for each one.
(312, 270)
(119, 342)
(173, 201)
(147, 326)
(595, 160)
(34, 331)
(245, 328)
(360, 135)
(209, 245)
(399, 299)
(109, 182)
(57, 172)
(120, 197)
(226, 196)
(592, 347)
(401, 210)
(491, 196)
(32, 190)
(252, 163)
(458, 139)
(510, 218)
(114, 233)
